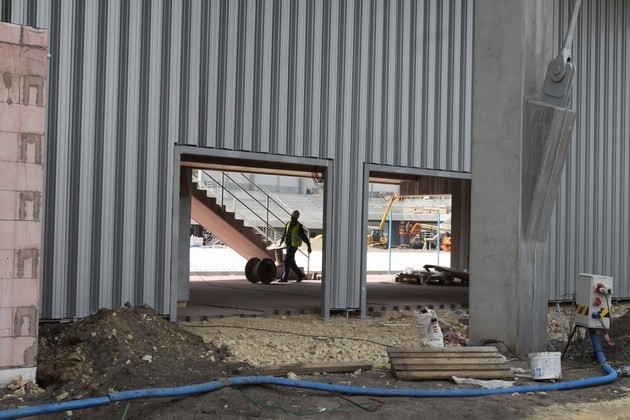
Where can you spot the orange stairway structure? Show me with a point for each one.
(245, 240)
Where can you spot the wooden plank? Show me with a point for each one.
(489, 374)
(308, 368)
(479, 349)
(446, 361)
(428, 363)
(400, 368)
(446, 356)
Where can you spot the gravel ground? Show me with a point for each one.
(309, 338)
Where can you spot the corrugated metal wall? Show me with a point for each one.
(377, 82)
(384, 82)
(591, 223)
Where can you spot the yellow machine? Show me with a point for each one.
(376, 238)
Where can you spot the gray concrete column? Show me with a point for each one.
(519, 147)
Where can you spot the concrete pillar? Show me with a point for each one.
(518, 151)
(23, 72)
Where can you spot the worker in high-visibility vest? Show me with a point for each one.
(293, 236)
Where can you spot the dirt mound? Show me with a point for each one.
(122, 349)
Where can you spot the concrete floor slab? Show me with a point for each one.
(221, 296)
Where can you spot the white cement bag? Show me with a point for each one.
(430, 331)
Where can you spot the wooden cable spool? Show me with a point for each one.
(257, 270)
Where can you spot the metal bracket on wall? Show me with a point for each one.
(560, 71)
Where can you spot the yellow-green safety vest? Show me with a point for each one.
(296, 241)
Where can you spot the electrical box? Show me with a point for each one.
(593, 301)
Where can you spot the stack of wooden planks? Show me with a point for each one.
(429, 363)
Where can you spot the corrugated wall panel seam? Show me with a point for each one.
(120, 174)
(162, 251)
(48, 257)
(62, 165)
(86, 192)
(107, 268)
(133, 146)
(74, 157)
(194, 58)
(152, 280)
(142, 185)
(184, 83)
(97, 159)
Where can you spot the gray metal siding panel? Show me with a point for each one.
(352, 81)
(591, 219)
(244, 75)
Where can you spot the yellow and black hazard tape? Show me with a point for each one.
(604, 313)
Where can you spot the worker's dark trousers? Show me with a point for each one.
(289, 264)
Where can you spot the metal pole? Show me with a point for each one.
(389, 243)
(267, 222)
(438, 238)
(222, 185)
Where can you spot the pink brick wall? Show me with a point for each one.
(23, 89)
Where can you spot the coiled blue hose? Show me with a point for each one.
(611, 376)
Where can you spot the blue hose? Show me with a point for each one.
(611, 376)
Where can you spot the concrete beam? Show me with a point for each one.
(518, 152)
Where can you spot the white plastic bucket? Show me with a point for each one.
(545, 365)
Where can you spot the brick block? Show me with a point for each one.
(8, 147)
(20, 235)
(31, 62)
(9, 62)
(6, 322)
(19, 292)
(27, 264)
(10, 117)
(35, 37)
(26, 292)
(19, 322)
(18, 351)
(16, 176)
(10, 33)
(7, 235)
(32, 91)
(7, 263)
(9, 205)
(34, 177)
(30, 148)
(6, 292)
(9, 88)
(32, 119)
(25, 321)
(9, 175)
(30, 206)
(23, 61)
